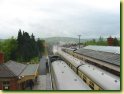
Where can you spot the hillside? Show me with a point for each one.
(54, 40)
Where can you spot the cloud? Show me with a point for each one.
(48, 18)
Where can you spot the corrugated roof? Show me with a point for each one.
(111, 49)
(100, 55)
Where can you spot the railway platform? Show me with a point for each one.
(43, 83)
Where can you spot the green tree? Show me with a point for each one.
(115, 42)
(9, 48)
(41, 47)
(23, 49)
(100, 41)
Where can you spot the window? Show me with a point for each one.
(91, 84)
(6, 85)
(84, 78)
(73, 68)
(79, 73)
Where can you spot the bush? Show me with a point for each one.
(35, 60)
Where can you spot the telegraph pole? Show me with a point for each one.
(79, 40)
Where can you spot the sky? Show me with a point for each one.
(60, 18)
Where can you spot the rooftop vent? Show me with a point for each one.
(116, 81)
(62, 71)
(75, 79)
(102, 73)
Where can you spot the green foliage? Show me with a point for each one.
(23, 49)
(28, 47)
(35, 60)
(8, 47)
(118, 42)
(115, 42)
(100, 41)
(41, 47)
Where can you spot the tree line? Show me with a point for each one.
(102, 42)
(23, 49)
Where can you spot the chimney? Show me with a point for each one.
(1, 57)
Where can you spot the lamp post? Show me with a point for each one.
(79, 40)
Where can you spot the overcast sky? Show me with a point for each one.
(65, 18)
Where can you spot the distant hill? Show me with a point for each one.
(54, 40)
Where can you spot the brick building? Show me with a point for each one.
(1, 57)
(17, 76)
(110, 41)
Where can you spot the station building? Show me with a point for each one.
(1, 57)
(17, 76)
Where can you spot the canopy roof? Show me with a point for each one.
(14, 69)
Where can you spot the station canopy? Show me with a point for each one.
(103, 53)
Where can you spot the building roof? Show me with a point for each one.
(5, 72)
(14, 69)
(66, 78)
(100, 55)
(30, 70)
(111, 49)
(102, 78)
